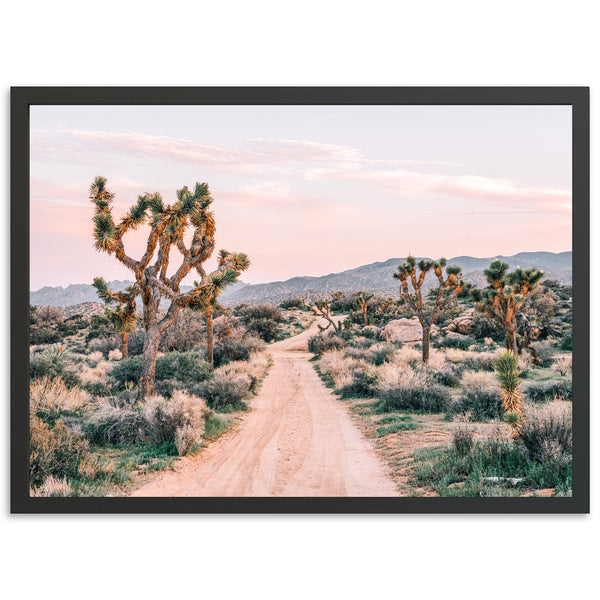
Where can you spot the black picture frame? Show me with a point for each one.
(24, 97)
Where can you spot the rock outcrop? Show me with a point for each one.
(405, 330)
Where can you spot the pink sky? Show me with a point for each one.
(307, 190)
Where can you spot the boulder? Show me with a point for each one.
(464, 323)
(404, 330)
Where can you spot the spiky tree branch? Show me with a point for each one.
(168, 223)
(504, 296)
(448, 288)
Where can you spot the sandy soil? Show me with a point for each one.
(298, 440)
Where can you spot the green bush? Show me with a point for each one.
(321, 343)
(542, 391)
(53, 450)
(566, 343)
(53, 362)
(227, 392)
(462, 343)
(380, 353)
(186, 367)
(449, 375)
(480, 397)
(292, 303)
(432, 399)
(237, 346)
(110, 424)
(261, 319)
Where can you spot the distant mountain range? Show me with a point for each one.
(374, 277)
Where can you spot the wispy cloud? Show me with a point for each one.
(250, 155)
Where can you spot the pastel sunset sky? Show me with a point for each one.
(307, 190)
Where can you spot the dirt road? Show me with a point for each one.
(298, 440)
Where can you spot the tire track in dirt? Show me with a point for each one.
(298, 440)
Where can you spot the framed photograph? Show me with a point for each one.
(300, 300)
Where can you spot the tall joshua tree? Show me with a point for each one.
(123, 316)
(447, 289)
(363, 305)
(504, 296)
(168, 223)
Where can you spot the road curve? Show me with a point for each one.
(298, 440)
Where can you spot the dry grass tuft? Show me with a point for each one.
(52, 488)
(563, 364)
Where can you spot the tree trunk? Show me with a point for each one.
(209, 338)
(124, 338)
(146, 382)
(425, 343)
(511, 338)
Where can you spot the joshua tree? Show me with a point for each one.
(504, 296)
(363, 305)
(123, 316)
(167, 227)
(447, 289)
(507, 373)
(322, 309)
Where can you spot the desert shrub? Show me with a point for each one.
(226, 392)
(187, 332)
(402, 388)
(566, 343)
(182, 366)
(104, 344)
(261, 319)
(52, 487)
(292, 303)
(321, 343)
(547, 432)
(462, 436)
(563, 364)
(542, 391)
(53, 450)
(135, 342)
(448, 376)
(480, 396)
(480, 361)
(363, 382)
(179, 420)
(186, 367)
(43, 334)
(127, 370)
(254, 368)
(483, 326)
(545, 352)
(462, 342)
(110, 424)
(406, 356)
(339, 367)
(381, 352)
(49, 314)
(50, 398)
(115, 354)
(237, 345)
(53, 362)
(395, 424)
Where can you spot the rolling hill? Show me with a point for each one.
(374, 277)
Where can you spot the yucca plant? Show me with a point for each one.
(507, 373)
